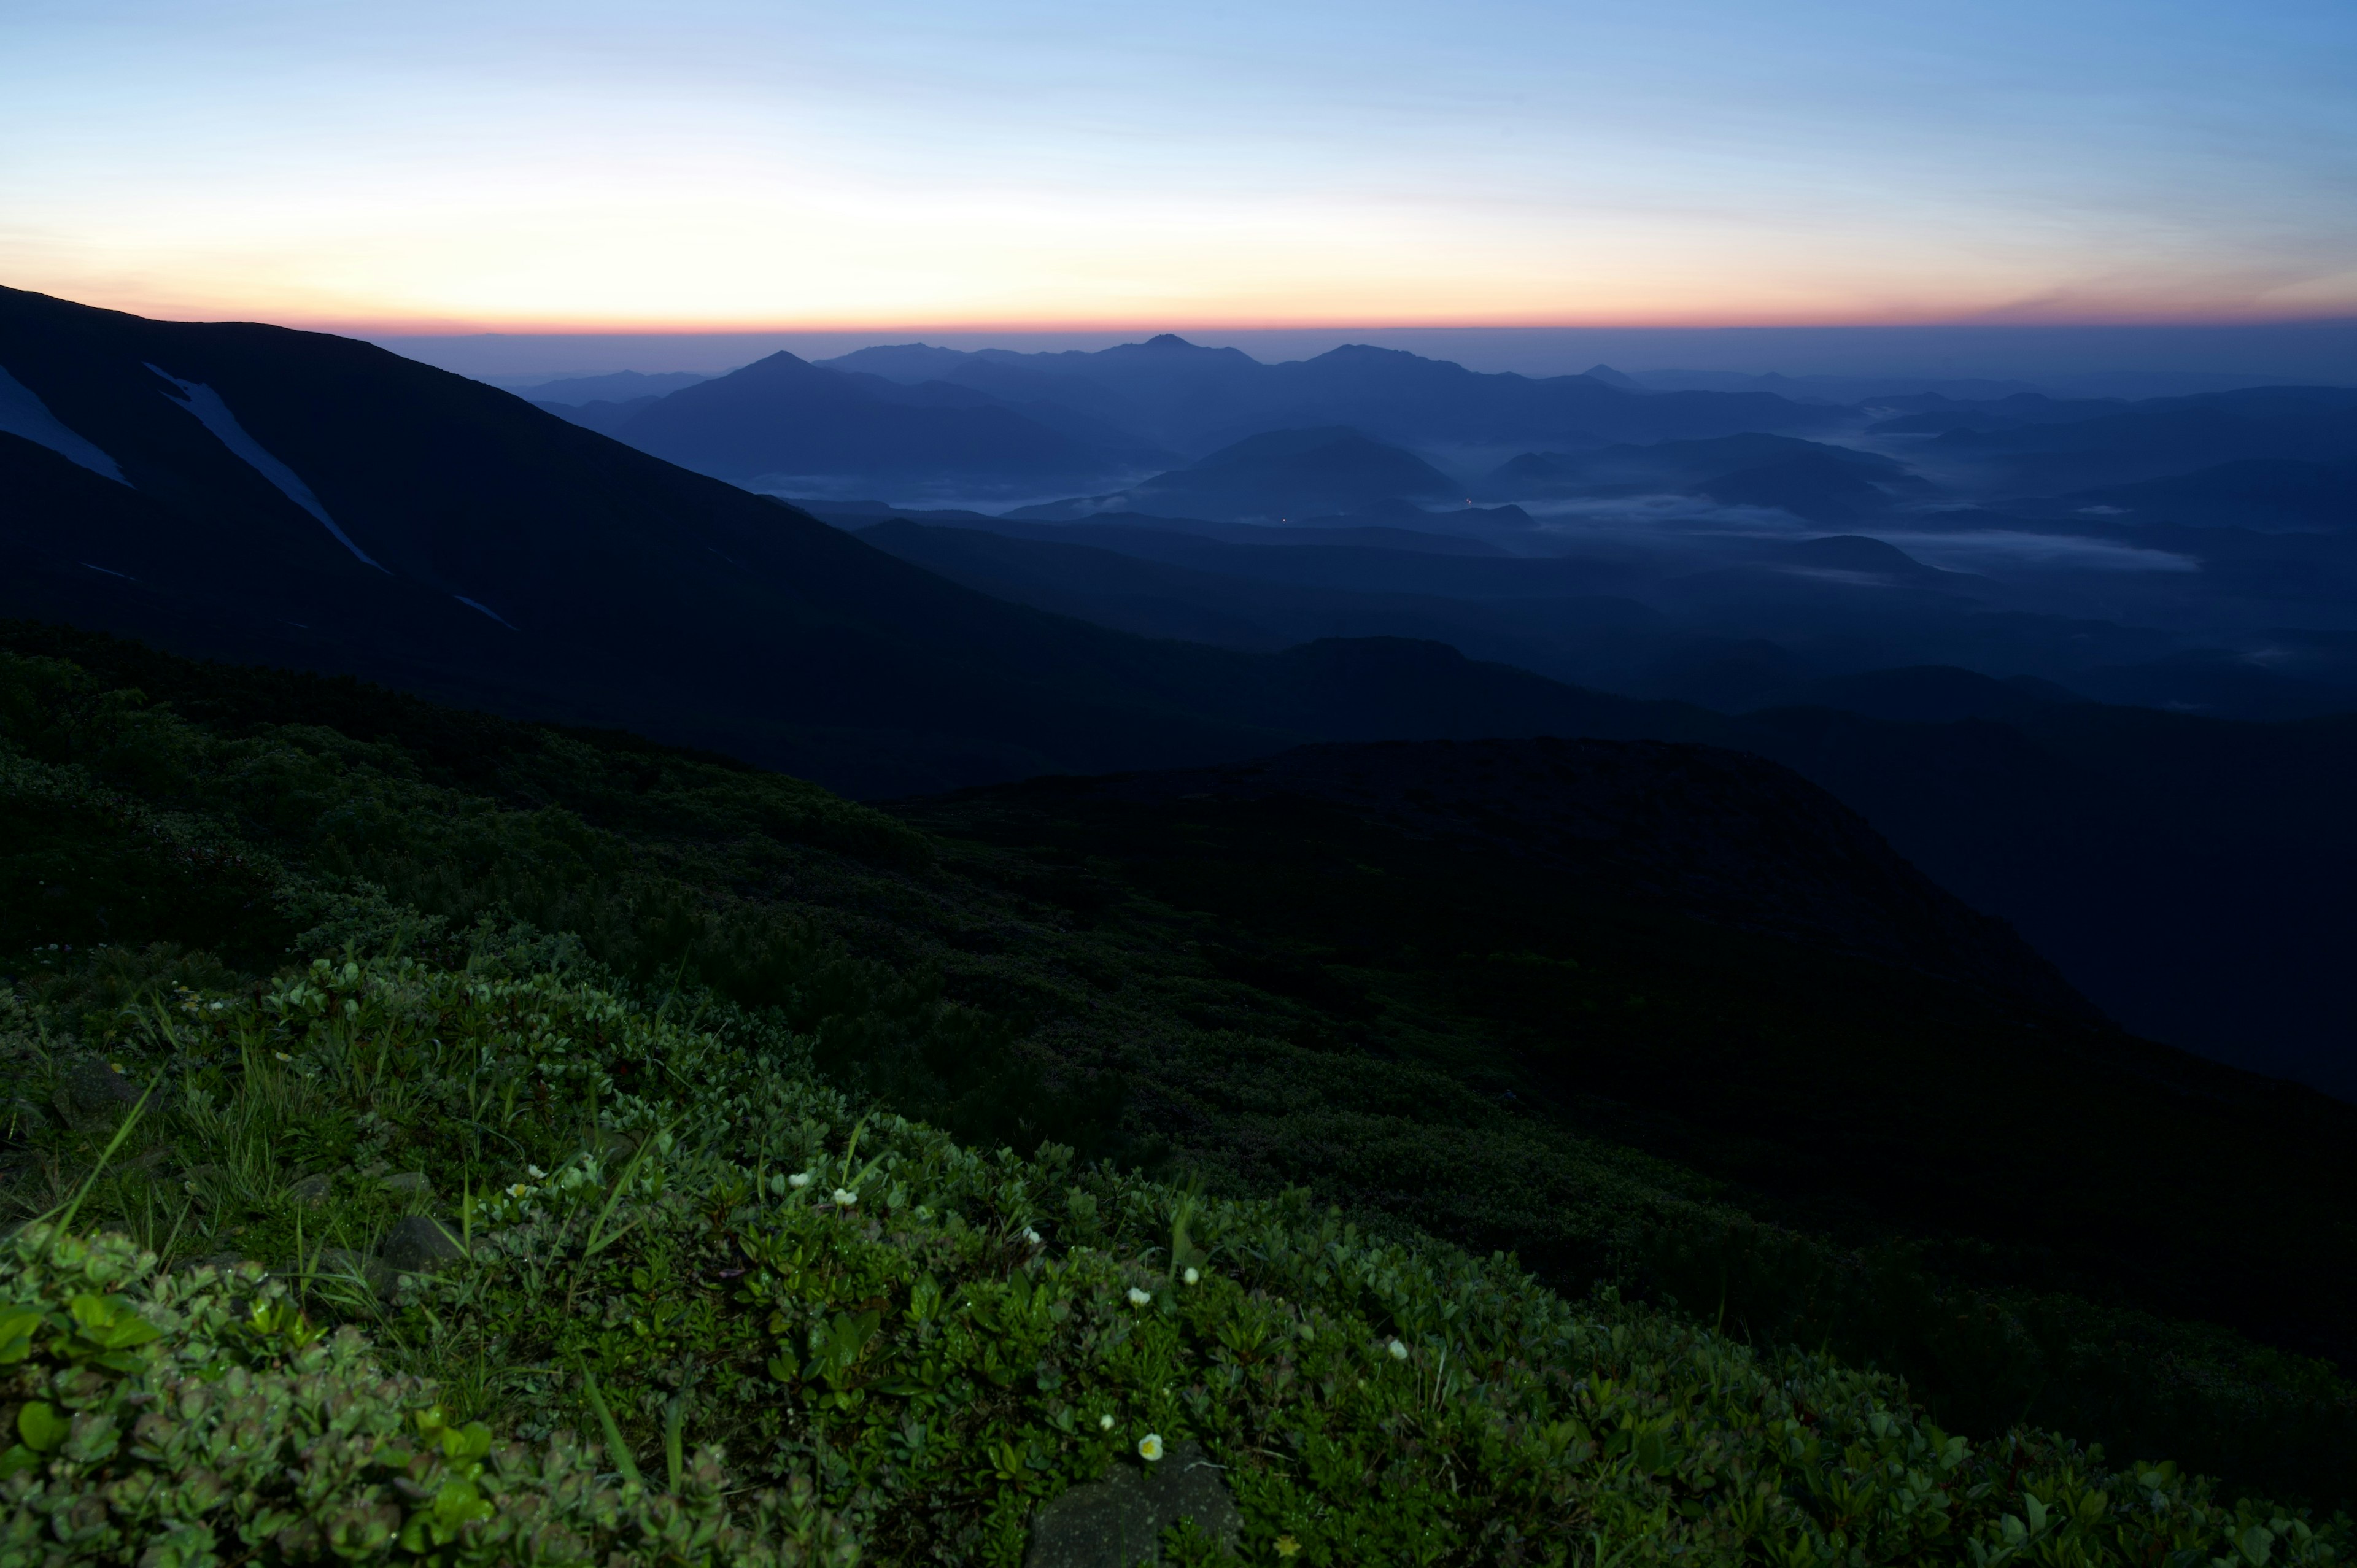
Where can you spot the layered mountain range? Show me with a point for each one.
(250, 493)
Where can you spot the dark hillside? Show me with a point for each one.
(1717, 836)
(1618, 1010)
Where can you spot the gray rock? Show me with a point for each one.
(312, 1190)
(1118, 1523)
(418, 1244)
(90, 1088)
(408, 1181)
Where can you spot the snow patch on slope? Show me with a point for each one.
(22, 412)
(486, 609)
(214, 415)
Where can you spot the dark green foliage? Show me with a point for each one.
(816, 1337)
(1802, 1147)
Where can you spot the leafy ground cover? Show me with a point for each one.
(809, 1336)
(1020, 979)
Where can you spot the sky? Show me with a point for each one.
(703, 166)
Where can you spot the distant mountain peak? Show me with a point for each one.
(1167, 340)
(1611, 377)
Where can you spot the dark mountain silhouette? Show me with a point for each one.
(1720, 836)
(789, 425)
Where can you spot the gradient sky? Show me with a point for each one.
(702, 164)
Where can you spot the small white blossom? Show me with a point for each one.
(282, 1056)
(1194, 1277)
(799, 1179)
(845, 1198)
(535, 1173)
(1104, 1424)
(1149, 1447)
(1399, 1352)
(1139, 1297)
(519, 1190)
(1031, 1235)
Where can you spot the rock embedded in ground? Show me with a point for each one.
(1118, 1523)
(93, 1088)
(311, 1189)
(419, 1243)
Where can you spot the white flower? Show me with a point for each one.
(1399, 1352)
(799, 1179)
(1139, 1297)
(518, 1190)
(1149, 1447)
(1194, 1277)
(535, 1173)
(282, 1056)
(1031, 1235)
(1104, 1424)
(844, 1199)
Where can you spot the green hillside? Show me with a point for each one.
(597, 1004)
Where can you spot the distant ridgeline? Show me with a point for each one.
(248, 493)
(1752, 1102)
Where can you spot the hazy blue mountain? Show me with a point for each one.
(783, 423)
(2262, 494)
(617, 386)
(2162, 436)
(1815, 486)
(599, 415)
(1199, 399)
(1282, 476)
(1293, 473)
(1626, 469)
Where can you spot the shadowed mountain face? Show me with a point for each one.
(1715, 835)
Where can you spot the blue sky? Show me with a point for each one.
(710, 164)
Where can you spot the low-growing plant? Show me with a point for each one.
(800, 1331)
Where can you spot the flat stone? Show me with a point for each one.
(419, 1243)
(312, 1190)
(1118, 1523)
(408, 1181)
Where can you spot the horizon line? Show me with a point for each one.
(1150, 327)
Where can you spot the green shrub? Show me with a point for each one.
(199, 1418)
